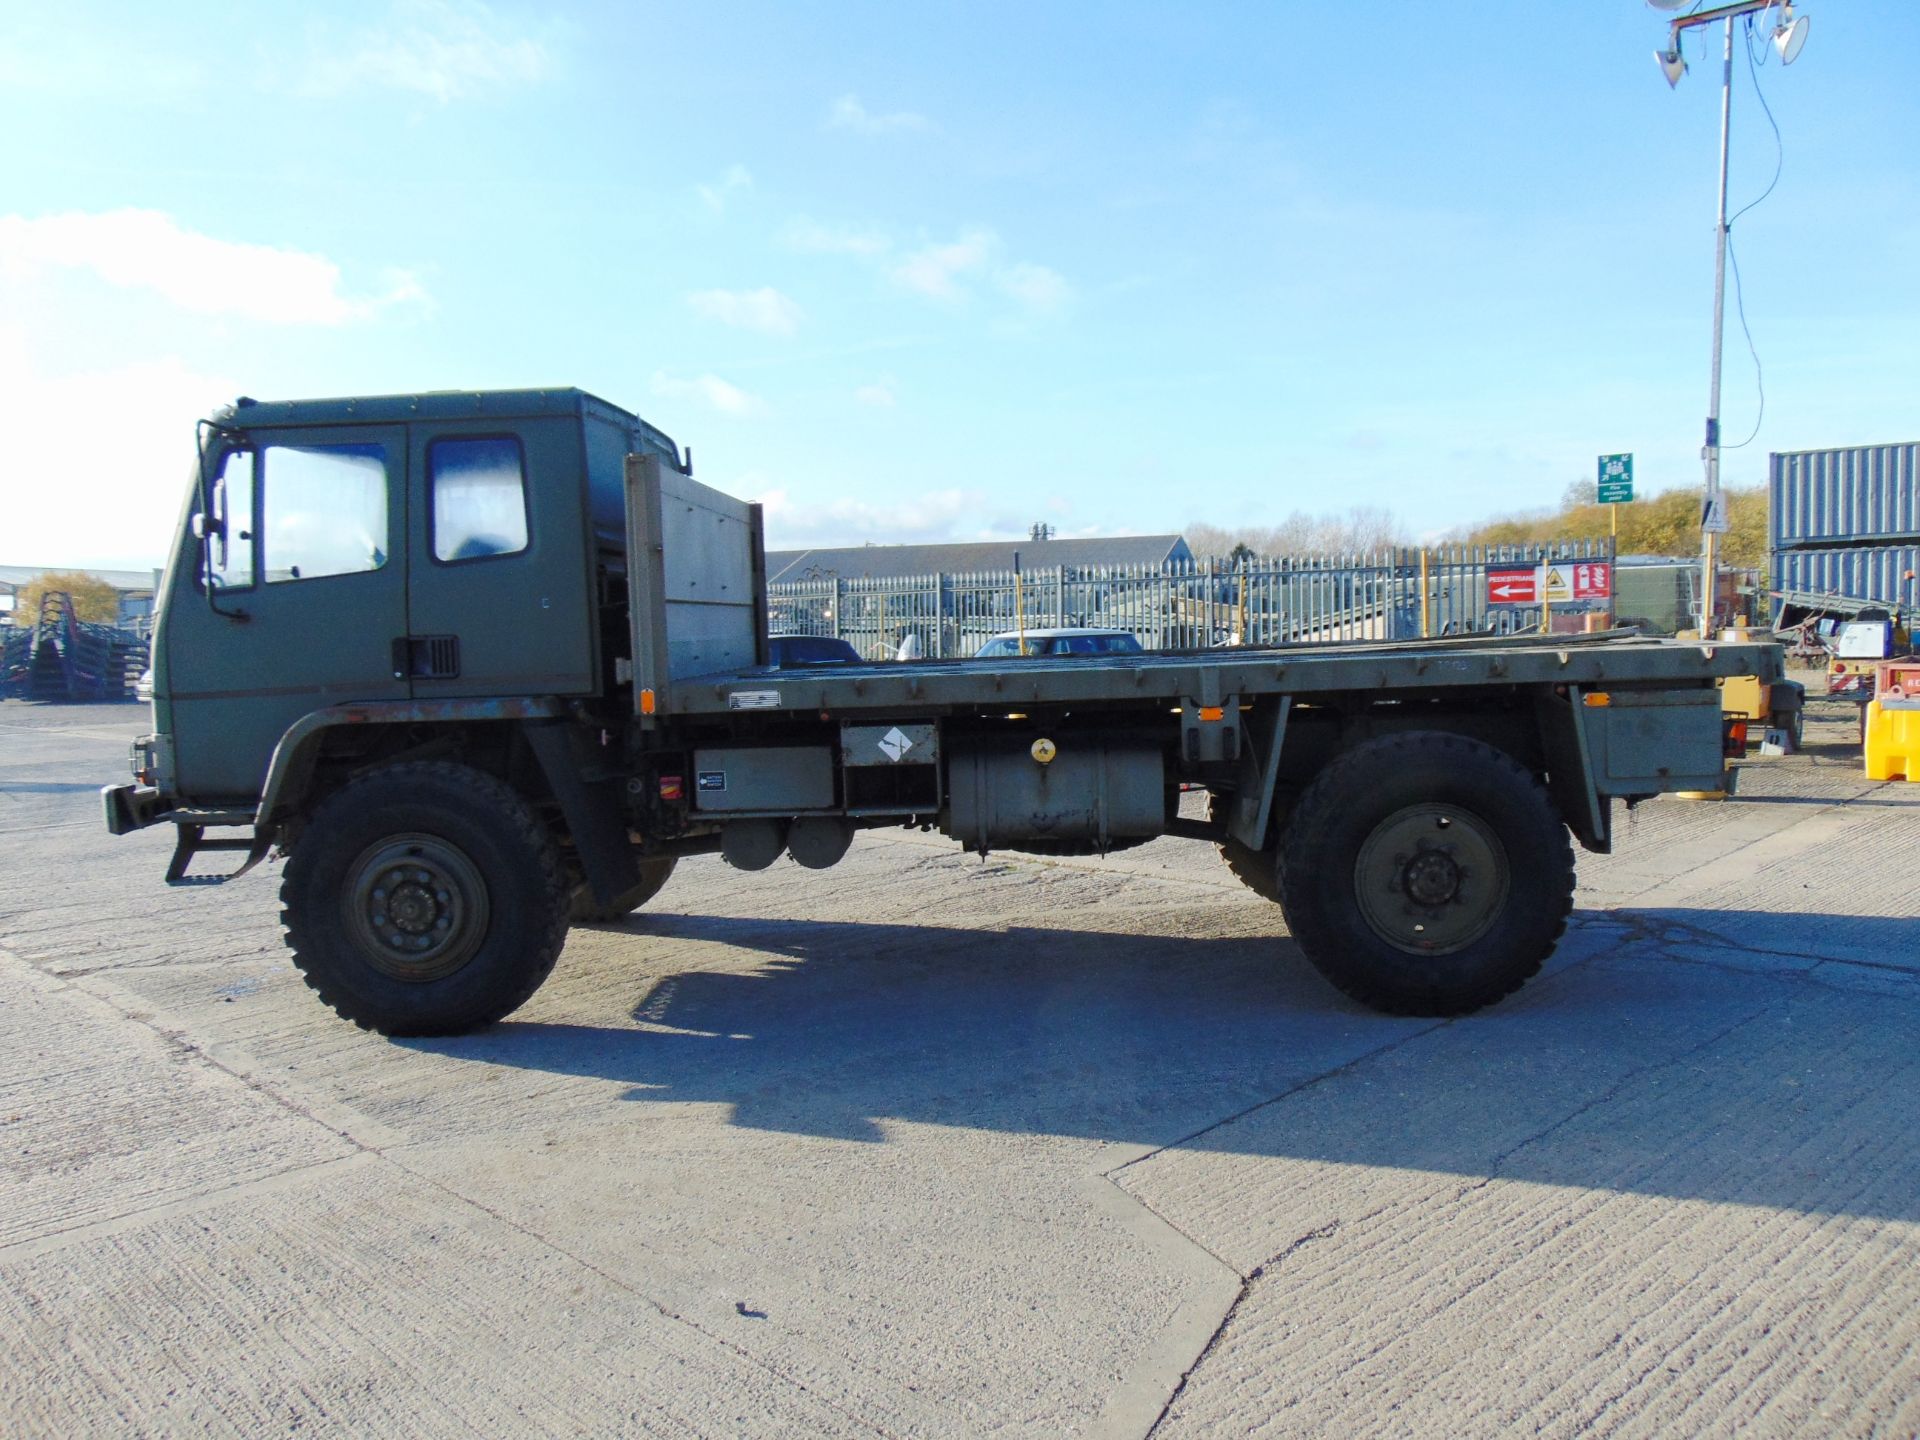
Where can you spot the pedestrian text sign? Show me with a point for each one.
(1513, 585)
(1616, 479)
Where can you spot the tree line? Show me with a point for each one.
(1663, 524)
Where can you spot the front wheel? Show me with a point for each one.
(1426, 874)
(424, 898)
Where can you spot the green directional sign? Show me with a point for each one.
(1616, 479)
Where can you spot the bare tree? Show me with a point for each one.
(1364, 527)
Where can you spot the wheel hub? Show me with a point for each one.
(416, 906)
(1431, 879)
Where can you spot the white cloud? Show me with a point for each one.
(446, 49)
(733, 179)
(847, 113)
(878, 395)
(147, 250)
(816, 239)
(765, 310)
(1034, 286)
(709, 390)
(932, 515)
(109, 504)
(935, 270)
(941, 270)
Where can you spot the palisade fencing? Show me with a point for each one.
(1283, 600)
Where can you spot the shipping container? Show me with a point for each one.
(1863, 574)
(1861, 495)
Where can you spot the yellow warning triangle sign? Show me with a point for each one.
(1557, 586)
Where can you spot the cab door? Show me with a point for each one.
(501, 599)
(298, 593)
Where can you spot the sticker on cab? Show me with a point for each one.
(711, 781)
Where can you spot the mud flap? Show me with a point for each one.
(593, 814)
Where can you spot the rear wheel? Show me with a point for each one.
(582, 908)
(1426, 874)
(425, 898)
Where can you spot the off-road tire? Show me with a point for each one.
(465, 824)
(582, 910)
(1371, 791)
(1258, 870)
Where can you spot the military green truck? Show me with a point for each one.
(484, 665)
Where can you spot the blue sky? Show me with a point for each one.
(912, 272)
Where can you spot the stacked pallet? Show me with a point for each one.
(63, 658)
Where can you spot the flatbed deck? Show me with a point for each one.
(1621, 658)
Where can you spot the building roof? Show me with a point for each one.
(142, 581)
(856, 561)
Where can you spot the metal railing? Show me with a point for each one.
(1385, 595)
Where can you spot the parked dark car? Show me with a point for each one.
(1073, 640)
(798, 652)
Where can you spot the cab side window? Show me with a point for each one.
(479, 490)
(230, 561)
(323, 510)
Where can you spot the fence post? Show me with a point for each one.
(839, 605)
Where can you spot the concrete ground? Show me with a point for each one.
(929, 1146)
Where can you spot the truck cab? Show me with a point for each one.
(422, 549)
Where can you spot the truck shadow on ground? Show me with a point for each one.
(1643, 1062)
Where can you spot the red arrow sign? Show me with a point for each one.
(1513, 585)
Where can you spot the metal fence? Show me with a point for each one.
(1388, 595)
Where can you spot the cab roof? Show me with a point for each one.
(246, 412)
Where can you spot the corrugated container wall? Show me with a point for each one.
(1864, 572)
(1863, 495)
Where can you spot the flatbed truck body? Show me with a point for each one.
(508, 665)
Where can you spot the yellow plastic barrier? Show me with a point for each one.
(1893, 741)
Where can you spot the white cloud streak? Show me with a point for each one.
(877, 396)
(811, 238)
(944, 270)
(764, 310)
(148, 250)
(931, 516)
(444, 49)
(736, 179)
(132, 486)
(1035, 286)
(847, 113)
(709, 390)
(935, 270)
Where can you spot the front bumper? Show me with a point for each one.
(131, 807)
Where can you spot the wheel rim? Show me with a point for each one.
(1431, 879)
(416, 906)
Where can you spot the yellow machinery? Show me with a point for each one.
(1892, 730)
